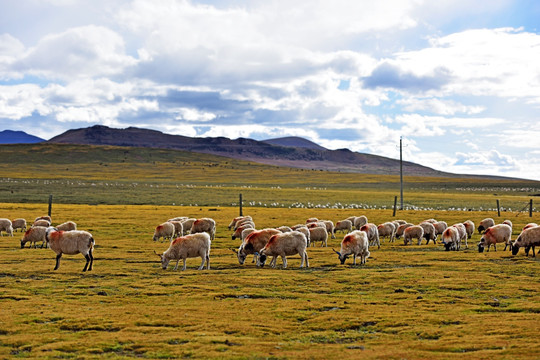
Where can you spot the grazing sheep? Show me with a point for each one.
(19, 224)
(529, 238)
(508, 222)
(243, 223)
(401, 229)
(429, 231)
(67, 226)
(312, 225)
(356, 244)
(401, 222)
(165, 231)
(431, 221)
(206, 225)
(318, 234)
(34, 235)
(71, 243)
(236, 219)
(45, 217)
(529, 225)
(254, 243)
(413, 232)
(178, 227)
(6, 226)
(469, 227)
(285, 244)
(344, 226)
(387, 229)
(312, 220)
(439, 226)
(187, 224)
(360, 221)
(485, 224)
(189, 246)
(284, 228)
(246, 232)
(42, 222)
(304, 230)
(178, 218)
(294, 227)
(238, 232)
(372, 234)
(462, 231)
(451, 239)
(500, 233)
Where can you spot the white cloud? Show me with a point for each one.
(438, 106)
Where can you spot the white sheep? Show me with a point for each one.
(34, 235)
(401, 229)
(462, 231)
(387, 229)
(42, 222)
(304, 230)
(311, 220)
(206, 225)
(329, 227)
(508, 222)
(254, 243)
(67, 226)
(285, 244)
(19, 224)
(178, 218)
(485, 224)
(284, 228)
(372, 234)
(165, 231)
(344, 226)
(429, 231)
(439, 226)
(469, 226)
(178, 227)
(529, 225)
(187, 224)
(6, 226)
(500, 233)
(529, 238)
(45, 217)
(318, 234)
(243, 223)
(238, 231)
(413, 232)
(189, 246)
(356, 244)
(238, 218)
(451, 239)
(360, 221)
(71, 243)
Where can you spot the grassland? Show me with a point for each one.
(414, 302)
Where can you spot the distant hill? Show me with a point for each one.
(302, 155)
(294, 141)
(18, 137)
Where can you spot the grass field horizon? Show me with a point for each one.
(407, 302)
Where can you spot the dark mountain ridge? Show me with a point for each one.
(304, 156)
(18, 137)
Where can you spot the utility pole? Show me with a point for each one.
(401, 170)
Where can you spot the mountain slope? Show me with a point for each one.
(246, 149)
(18, 137)
(294, 141)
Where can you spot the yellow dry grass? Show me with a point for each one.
(414, 302)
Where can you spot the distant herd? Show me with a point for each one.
(190, 238)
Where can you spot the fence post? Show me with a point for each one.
(498, 208)
(240, 201)
(395, 205)
(530, 207)
(50, 205)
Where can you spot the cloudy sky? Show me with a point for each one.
(459, 80)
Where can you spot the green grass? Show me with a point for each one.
(406, 302)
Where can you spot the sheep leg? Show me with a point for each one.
(184, 268)
(87, 257)
(207, 261)
(91, 260)
(57, 261)
(284, 259)
(354, 259)
(534, 255)
(176, 266)
(202, 263)
(273, 262)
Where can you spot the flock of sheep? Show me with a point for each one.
(190, 238)
(360, 234)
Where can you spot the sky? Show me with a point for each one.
(458, 81)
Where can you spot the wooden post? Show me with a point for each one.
(50, 205)
(498, 208)
(240, 201)
(395, 206)
(530, 207)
